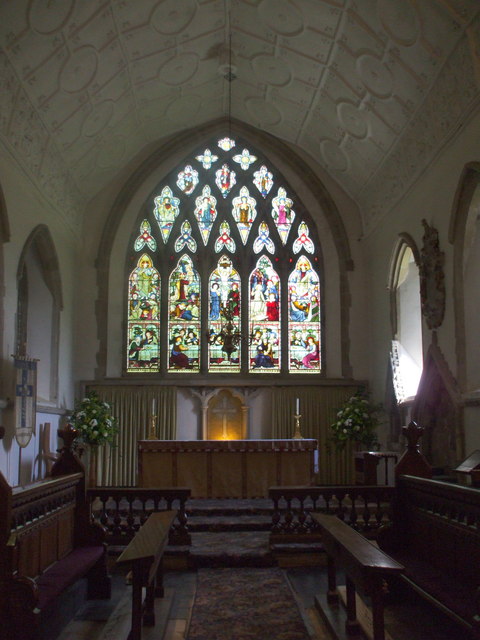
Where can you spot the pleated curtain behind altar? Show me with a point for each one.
(318, 408)
(132, 406)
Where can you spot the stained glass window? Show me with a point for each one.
(264, 318)
(224, 226)
(224, 348)
(184, 317)
(304, 318)
(143, 316)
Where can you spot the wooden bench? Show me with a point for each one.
(46, 544)
(143, 556)
(435, 534)
(366, 568)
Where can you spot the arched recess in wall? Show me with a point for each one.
(4, 237)
(39, 304)
(280, 154)
(406, 319)
(464, 234)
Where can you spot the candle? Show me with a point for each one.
(298, 407)
(154, 406)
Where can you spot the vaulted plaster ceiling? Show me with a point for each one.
(370, 89)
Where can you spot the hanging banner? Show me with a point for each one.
(25, 399)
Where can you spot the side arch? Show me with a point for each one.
(463, 226)
(39, 253)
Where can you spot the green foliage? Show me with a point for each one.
(93, 420)
(356, 421)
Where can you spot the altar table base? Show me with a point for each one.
(226, 468)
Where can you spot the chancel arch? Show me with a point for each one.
(150, 180)
(4, 238)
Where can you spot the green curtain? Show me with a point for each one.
(318, 408)
(132, 406)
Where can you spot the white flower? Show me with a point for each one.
(93, 422)
(344, 431)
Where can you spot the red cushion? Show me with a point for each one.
(65, 572)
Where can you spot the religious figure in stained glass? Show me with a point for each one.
(283, 213)
(185, 239)
(244, 159)
(225, 180)
(143, 316)
(263, 239)
(263, 180)
(224, 318)
(205, 212)
(264, 318)
(244, 212)
(166, 211)
(304, 318)
(206, 158)
(226, 144)
(303, 241)
(145, 238)
(187, 180)
(184, 317)
(224, 240)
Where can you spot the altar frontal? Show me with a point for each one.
(226, 469)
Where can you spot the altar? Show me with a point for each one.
(226, 468)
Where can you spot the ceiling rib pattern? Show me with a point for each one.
(371, 89)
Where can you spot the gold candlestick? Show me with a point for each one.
(152, 434)
(298, 434)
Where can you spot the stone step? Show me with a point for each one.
(207, 507)
(229, 523)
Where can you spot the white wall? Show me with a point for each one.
(25, 209)
(430, 197)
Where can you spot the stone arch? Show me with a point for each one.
(279, 151)
(39, 253)
(465, 225)
(4, 238)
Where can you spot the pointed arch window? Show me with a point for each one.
(224, 273)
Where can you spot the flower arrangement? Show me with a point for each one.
(92, 419)
(356, 421)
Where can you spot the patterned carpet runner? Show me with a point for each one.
(245, 604)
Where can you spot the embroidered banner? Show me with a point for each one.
(25, 399)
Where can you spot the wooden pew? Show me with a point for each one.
(366, 568)
(143, 556)
(435, 534)
(47, 544)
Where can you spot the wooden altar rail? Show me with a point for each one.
(123, 510)
(363, 508)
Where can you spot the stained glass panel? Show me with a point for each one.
(244, 159)
(244, 212)
(304, 318)
(187, 180)
(205, 212)
(225, 180)
(206, 158)
(264, 318)
(263, 180)
(224, 240)
(145, 238)
(184, 317)
(226, 144)
(185, 239)
(224, 348)
(166, 211)
(263, 240)
(143, 316)
(303, 241)
(283, 213)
